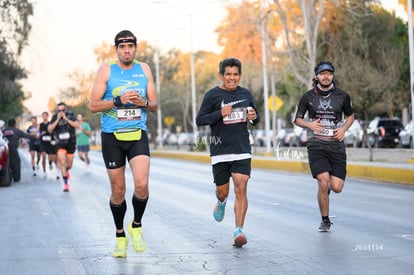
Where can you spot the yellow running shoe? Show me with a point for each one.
(138, 243)
(120, 248)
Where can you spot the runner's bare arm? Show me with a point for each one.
(96, 104)
(151, 91)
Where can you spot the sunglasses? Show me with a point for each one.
(64, 110)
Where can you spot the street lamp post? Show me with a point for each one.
(193, 84)
(159, 118)
(411, 56)
(265, 82)
(192, 71)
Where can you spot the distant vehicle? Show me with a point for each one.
(299, 136)
(406, 135)
(283, 136)
(384, 132)
(260, 137)
(354, 136)
(5, 175)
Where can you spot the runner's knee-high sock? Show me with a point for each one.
(139, 209)
(118, 213)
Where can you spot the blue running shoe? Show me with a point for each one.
(218, 212)
(239, 237)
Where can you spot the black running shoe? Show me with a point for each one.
(325, 226)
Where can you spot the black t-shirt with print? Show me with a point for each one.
(64, 133)
(329, 108)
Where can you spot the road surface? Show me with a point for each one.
(46, 231)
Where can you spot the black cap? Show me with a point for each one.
(324, 66)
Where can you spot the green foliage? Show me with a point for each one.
(368, 46)
(14, 32)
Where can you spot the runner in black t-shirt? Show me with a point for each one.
(45, 143)
(227, 109)
(325, 105)
(34, 144)
(63, 126)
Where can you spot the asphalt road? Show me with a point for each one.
(46, 231)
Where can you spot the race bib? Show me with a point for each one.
(46, 138)
(129, 114)
(64, 136)
(237, 115)
(326, 132)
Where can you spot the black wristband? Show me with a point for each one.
(117, 102)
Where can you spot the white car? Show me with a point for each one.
(406, 135)
(354, 135)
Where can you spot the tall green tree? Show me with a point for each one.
(14, 33)
(369, 47)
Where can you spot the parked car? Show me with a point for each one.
(260, 137)
(284, 135)
(299, 137)
(354, 136)
(406, 135)
(384, 132)
(5, 175)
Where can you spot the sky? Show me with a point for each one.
(65, 32)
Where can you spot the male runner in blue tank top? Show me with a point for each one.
(227, 109)
(124, 91)
(326, 104)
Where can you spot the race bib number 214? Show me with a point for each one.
(129, 114)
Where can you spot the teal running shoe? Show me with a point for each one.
(239, 237)
(219, 210)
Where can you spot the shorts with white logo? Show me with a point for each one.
(114, 151)
(327, 156)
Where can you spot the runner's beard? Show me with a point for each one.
(325, 86)
(127, 62)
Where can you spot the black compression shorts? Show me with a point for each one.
(114, 151)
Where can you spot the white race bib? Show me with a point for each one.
(46, 138)
(64, 135)
(129, 114)
(326, 132)
(237, 115)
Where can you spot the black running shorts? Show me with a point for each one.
(47, 147)
(222, 170)
(69, 147)
(34, 147)
(327, 156)
(114, 151)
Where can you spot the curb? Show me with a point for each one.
(362, 171)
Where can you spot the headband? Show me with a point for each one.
(125, 40)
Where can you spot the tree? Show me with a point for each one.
(51, 105)
(175, 77)
(405, 4)
(14, 32)
(302, 62)
(368, 45)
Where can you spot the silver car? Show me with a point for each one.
(354, 135)
(406, 135)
